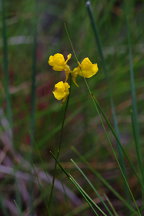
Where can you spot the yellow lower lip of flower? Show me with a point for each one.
(58, 62)
(86, 69)
(90, 72)
(61, 90)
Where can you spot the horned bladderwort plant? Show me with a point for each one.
(61, 91)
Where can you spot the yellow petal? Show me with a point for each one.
(58, 62)
(50, 60)
(87, 69)
(61, 90)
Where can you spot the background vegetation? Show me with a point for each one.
(109, 163)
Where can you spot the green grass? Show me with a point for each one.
(82, 157)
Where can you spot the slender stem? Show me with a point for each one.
(59, 149)
(33, 81)
(33, 100)
(5, 64)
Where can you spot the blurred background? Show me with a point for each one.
(31, 31)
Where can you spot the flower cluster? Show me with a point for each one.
(84, 69)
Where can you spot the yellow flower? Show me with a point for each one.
(61, 90)
(86, 69)
(59, 63)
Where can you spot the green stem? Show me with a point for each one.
(59, 149)
(5, 65)
(33, 101)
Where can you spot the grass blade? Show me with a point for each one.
(87, 198)
(33, 100)
(134, 114)
(89, 182)
(110, 204)
(125, 202)
(91, 203)
(96, 35)
(100, 50)
(5, 64)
